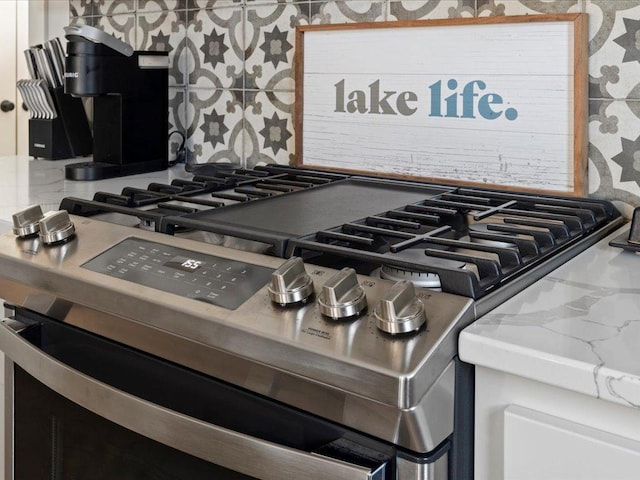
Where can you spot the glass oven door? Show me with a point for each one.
(83, 407)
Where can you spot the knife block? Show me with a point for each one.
(66, 136)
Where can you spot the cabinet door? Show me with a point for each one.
(540, 446)
(8, 91)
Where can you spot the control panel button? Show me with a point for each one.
(400, 311)
(342, 296)
(290, 284)
(56, 227)
(27, 222)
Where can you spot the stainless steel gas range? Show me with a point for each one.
(268, 323)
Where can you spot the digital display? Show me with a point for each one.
(185, 264)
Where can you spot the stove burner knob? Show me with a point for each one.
(27, 222)
(56, 227)
(290, 283)
(342, 296)
(400, 311)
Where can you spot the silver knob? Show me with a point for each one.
(290, 283)
(56, 227)
(342, 296)
(27, 222)
(400, 311)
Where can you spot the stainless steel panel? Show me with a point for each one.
(438, 470)
(209, 442)
(340, 367)
(419, 428)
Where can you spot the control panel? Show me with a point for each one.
(219, 281)
(229, 283)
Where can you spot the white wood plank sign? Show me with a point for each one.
(486, 101)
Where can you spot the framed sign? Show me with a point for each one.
(497, 102)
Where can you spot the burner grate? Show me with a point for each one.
(473, 239)
(500, 234)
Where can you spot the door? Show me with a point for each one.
(8, 92)
(85, 408)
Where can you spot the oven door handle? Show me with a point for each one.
(236, 451)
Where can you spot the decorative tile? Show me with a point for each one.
(428, 9)
(81, 8)
(81, 21)
(614, 152)
(215, 130)
(347, 11)
(146, 6)
(199, 4)
(269, 45)
(215, 48)
(614, 62)
(120, 26)
(177, 97)
(114, 7)
(165, 31)
(258, 2)
(269, 133)
(527, 7)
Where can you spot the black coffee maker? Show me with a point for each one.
(130, 103)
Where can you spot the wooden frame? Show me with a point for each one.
(440, 115)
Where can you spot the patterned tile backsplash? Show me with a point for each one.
(232, 74)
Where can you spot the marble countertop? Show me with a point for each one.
(577, 328)
(25, 181)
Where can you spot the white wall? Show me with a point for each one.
(57, 17)
(47, 18)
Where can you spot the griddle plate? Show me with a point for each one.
(319, 208)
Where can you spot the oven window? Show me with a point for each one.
(58, 440)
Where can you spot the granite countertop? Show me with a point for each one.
(577, 328)
(25, 181)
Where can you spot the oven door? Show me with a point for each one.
(79, 406)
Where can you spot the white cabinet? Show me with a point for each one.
(528, 430)
(537, 446)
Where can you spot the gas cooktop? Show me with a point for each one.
(467, 241)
